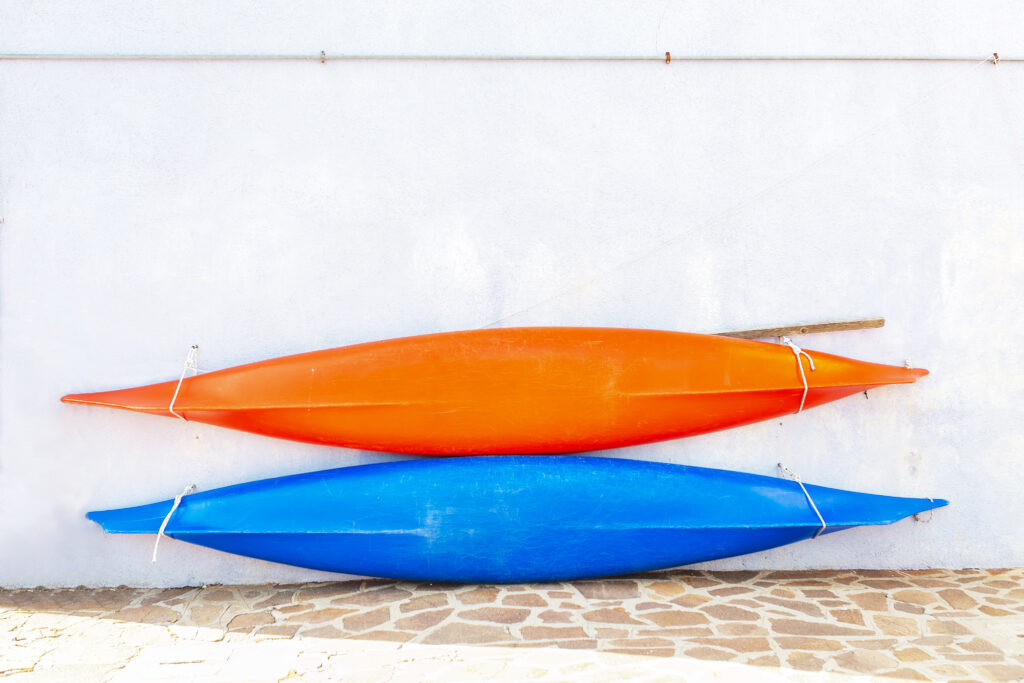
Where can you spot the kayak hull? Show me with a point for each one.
(513, 390)
(508, 519)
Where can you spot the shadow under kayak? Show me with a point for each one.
(508, 519)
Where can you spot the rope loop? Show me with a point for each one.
(799, 364)
(177, 501)
(787, 473)
(191, 363)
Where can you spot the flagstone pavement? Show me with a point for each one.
(948, 625)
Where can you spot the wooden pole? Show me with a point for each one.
(806, 328)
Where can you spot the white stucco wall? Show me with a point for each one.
(266, 208)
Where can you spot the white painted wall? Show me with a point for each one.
(265, 208)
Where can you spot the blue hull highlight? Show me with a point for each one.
(507, 519)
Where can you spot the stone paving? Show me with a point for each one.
(948, 625)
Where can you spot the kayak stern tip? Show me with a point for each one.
(143, 519)
(155, 398)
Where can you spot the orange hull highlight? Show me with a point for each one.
(511, 390)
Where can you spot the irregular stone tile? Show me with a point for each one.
(675, 618)
(885, 584)
(908, 608)
(250, 620)
(150, 614)
(691, 600)
(373, 598)
(848, 616)
(906, 675)
(737, 644)
(932, 641)
(976, 657)
(804, 661)
(217, 595)
(947, 670)
(603, 632)
(752, 604)
(915, 597)
(1001, 583)
(551, 617)
(644, 606)
(278, 630)
(692, 632)
(783, 593)
(367, 620)
(387, 636)
(709, 653)
(979, 645)
(933, 583)
(611, 616)
(423, 620)
(819, 593)
(294, 609)
(552, 632)
(769, 660)
(786, 575)
(275, 600)
(994, 611)
(525, 600)
(865, 662)
(607, 590)
(327, 631)
(159, 596)
(424, 602)
(642, 642)
(205, 615)
(318, 616)
(647, 652)
(569, 605)
(578, 644)
(477, 596)
(698, 581)
(741, 628)
(457, 633)
(947, 627)
(498, 615)
(875, 644)
(729, 613)
(730, 590)
(912, 654)
(896, 626)
(806, 643)
(876, 602)
(666, 589)
(559, 594)
(797, 627)
(808, 608)
(1003, 672)
(734, 575)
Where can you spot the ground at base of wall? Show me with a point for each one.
(682, 625)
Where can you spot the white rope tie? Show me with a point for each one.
(191, 363)
(803, 377)
(787, 473)
(177, 501)
(931, 513)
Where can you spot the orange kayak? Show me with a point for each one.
(510, 390)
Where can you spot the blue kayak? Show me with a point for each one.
(508, 519)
